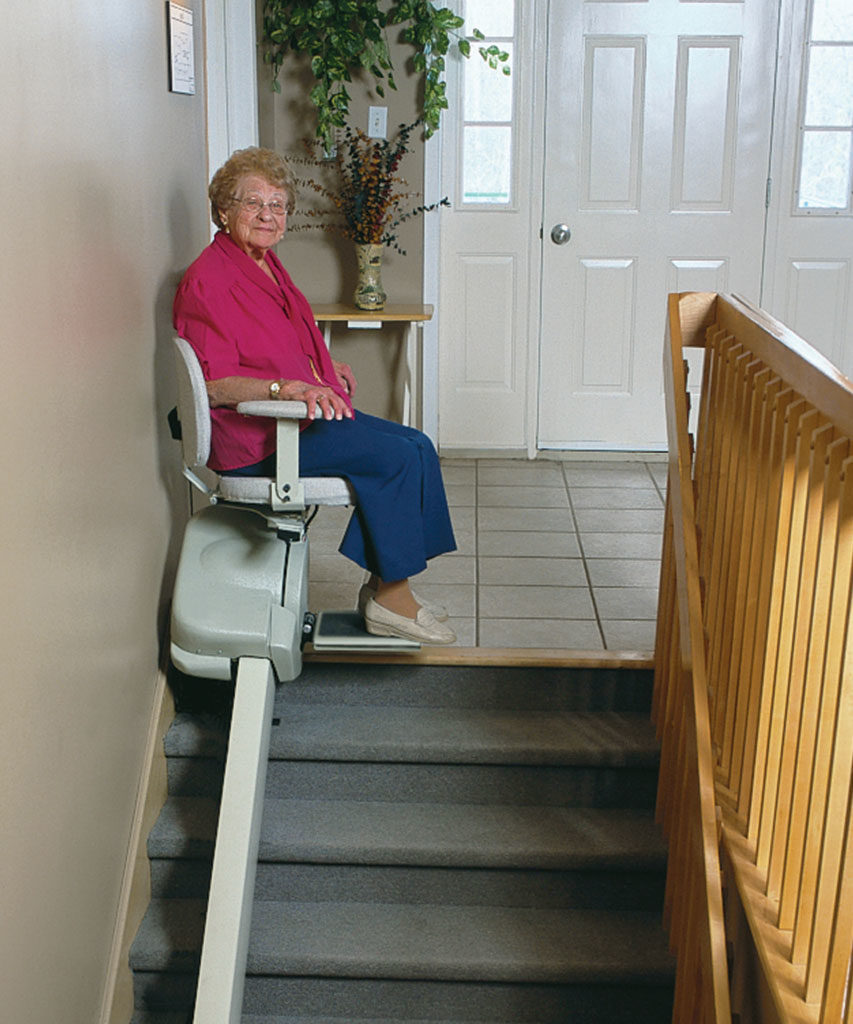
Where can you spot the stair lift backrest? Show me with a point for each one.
(288, 492)
(193, 407)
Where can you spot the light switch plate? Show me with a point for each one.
(377, 122)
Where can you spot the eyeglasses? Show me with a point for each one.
(254, 205)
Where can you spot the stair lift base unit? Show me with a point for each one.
(241, 591)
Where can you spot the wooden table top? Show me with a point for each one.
(408, 313)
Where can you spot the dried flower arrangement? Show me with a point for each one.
(367, 205)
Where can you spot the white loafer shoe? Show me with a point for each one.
(424, 628)
(438, 610)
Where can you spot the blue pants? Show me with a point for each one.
(401, 518)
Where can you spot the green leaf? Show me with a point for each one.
(464, 47)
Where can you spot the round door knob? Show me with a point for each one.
(560, 234)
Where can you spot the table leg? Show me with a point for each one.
(412, 387)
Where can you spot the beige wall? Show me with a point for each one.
(322, 264)
(103, 206)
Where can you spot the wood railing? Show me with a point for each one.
(754, 676)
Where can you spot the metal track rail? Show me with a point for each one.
(219, 998)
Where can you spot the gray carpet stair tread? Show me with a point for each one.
(160, 1017)
(253, 1018)
(457, 943)
(472, 686)
(452, 735)
(185, 827)
(448, 943)
(428, 834)
(195, 735)
(169, 937)
(332, 831)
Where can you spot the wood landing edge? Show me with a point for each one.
(534, 657)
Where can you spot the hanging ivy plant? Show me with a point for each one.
(345, 37)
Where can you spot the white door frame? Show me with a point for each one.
(231, 79)
(431, 289)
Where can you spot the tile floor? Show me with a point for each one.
(551, 554)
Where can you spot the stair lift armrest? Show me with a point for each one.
(286, 492)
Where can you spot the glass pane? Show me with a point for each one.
(825, 171)
(491, 17)
(829, 99)
(832, 20)
(488, 91)
(486, 164)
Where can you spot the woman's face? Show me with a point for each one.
(255, 227)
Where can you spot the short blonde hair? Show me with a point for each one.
(266, 163)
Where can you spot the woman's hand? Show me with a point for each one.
(330, 403)
(230, 391)
(346, 378)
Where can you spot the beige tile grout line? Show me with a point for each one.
(583, 559)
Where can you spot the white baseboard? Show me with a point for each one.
(135, 894)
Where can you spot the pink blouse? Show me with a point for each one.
(242, 324)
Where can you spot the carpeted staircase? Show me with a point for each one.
(440, 844)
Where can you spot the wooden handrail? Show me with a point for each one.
(754, 668)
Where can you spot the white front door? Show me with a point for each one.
(809, 269)
(657, 138)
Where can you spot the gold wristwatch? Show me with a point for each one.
(275, 389)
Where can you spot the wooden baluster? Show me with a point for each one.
(799, 416)
(802, 565)
(708, 484)
(810, 653)
(835, 991)
(732, 596)
(763, 512)
(835, 739)
(774, 552)
(722, 489)
(710, 401)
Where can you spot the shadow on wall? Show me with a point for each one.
(182, 224)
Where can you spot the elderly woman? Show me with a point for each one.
(255, 337)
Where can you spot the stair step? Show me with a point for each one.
(453, 943)
(468, 686)
(461, 736)
(265, 1019)
(600, 890)
(424, 853)
(429, 834)
(334, 1001)
(169, 937)
(422, 942)
(547, 785)
(478, 836)
(157, 1017)
(196, 735)
(370, 1001)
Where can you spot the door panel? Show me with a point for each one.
(658, 164)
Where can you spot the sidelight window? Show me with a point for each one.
(826, 124)
(487, 133)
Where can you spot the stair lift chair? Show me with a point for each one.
(242, 582)
(240, 598)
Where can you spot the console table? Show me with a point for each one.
(413, 314)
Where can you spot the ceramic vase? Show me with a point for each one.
(369, 293)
